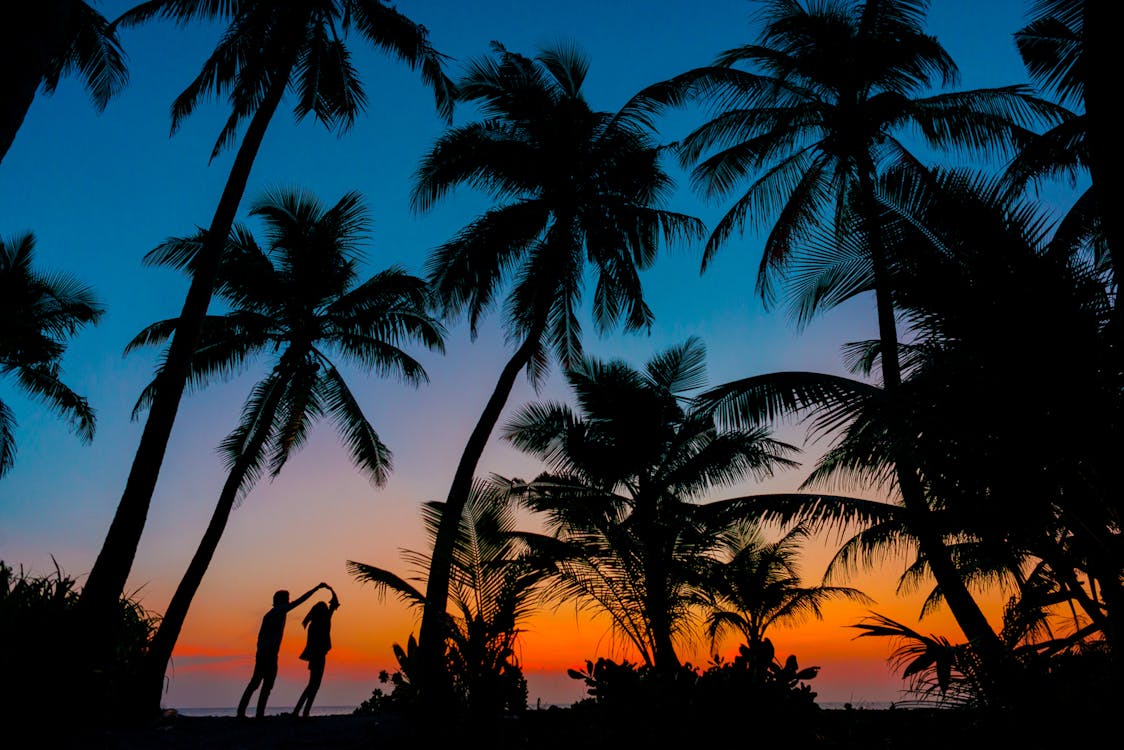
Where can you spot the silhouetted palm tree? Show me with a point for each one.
(574, 187)
(39, 313)
(295, 301)
(491, 589)
(756, 584)
(44, 40)
(985, 292)
(267, 48)
(811, 127)
(621, 496)
(1009, 290)
(1068, 48)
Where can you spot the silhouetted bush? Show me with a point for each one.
(482, 689)
(42, 683)
(753, 694)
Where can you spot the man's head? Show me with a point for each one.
(280, 598)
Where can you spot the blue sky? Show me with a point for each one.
(100, 190)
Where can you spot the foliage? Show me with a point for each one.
(36, 617)
(403, 695)
(1057, 674)
(298, 301)
(39, 313)
(754, 585)
(621, 499)
(753, 693)
(491, 596)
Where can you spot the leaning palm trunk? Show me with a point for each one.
(431, 636)
(164, 642)
(111, 570)
(963, 606)
(31, 32)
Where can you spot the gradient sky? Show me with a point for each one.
(100, 190)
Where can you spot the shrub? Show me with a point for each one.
(41, 680)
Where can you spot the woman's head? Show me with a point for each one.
(319, 609)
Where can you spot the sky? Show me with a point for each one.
(99, 190)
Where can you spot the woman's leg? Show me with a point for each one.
(315, 674)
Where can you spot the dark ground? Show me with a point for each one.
(912, 729)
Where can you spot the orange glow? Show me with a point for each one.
(553, 641)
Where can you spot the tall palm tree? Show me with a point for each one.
(622, 494)
(297, 302)
(1019, 291)
(573, 186)
(45, 40)
(267, 49)
(757, 584)
(832, 87)
(492, 591)
(985, 290)
(39, 313)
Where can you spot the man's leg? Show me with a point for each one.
(269, 674)
(255, 680)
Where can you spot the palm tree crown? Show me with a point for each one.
(298, 301)
(756, 584)
(301, 44)
(45, 41)
(574, 186)
(622, 491)
(39, 312)
(832, 88)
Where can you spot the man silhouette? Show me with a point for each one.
(269, 645)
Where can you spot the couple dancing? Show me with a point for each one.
(318, 623)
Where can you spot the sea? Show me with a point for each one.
(336, 710)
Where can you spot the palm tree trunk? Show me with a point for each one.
(1106, 153)
(30, 34)
(431, 637)
(1106, 162)
(164, 641)
(107, 579)
(664, 658)
(963, 606)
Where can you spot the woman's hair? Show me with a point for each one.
(318, 610)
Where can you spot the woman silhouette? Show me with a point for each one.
(318, 623)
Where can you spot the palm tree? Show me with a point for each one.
(574, 186)
(267, 48)
(756, 584)
(45, 40)
(621, 496)
(1019, 290)
(1068, 49)
(986, 290)
(820, 116)
(492, 591)
(295, 301)
(39, 313)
